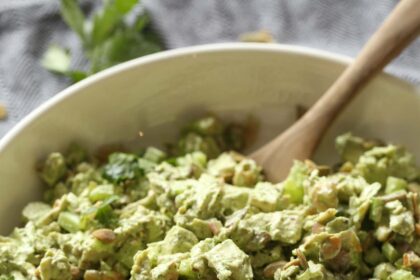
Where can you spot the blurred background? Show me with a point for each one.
(46, 45)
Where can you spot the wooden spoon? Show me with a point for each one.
(300, 140)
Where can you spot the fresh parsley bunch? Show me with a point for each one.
(107, 37)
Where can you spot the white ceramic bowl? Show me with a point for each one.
(160, 92)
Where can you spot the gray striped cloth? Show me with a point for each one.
(28, 27)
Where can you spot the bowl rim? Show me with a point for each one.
(174, 53)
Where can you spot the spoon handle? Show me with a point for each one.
(400, 28)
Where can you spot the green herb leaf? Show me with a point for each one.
(104, 22)
(109, 19)
(107, 39)
(124, 45)
(124, 6)
(105, 214)
(142, 22)
(56, 59)
(122, 167)
(74, 17)
(77, 76)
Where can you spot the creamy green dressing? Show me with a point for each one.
(203, 211)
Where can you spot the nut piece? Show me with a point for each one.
(104, 235)
(3, 112)
(262, 36)
(214, 228)
(270, 269)
(302, 259)
(418, 229)
(75, 272)
(102, 275)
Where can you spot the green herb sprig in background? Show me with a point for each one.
(106, 36)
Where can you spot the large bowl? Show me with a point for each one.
(158, 93)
